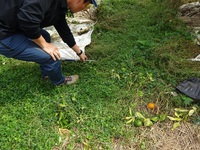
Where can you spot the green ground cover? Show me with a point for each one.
(141, 51)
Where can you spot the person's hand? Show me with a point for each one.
(52, 50)
(48, 47)
(80, 53)
(83, 57)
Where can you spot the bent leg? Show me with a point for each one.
(48, 66)
(21, 48)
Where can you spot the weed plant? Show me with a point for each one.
(141, 50)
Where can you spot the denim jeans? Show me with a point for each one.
(20, 47)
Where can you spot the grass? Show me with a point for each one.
(141, 51)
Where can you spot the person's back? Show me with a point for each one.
(8, 17)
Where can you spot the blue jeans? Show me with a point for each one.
(20, 47)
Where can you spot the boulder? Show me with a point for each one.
(190, 14)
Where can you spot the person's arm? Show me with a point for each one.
(29, 18)
(67, 36)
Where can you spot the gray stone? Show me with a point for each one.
(190, 14)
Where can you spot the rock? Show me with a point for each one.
(190, 14)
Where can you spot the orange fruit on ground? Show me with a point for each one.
(151, 105)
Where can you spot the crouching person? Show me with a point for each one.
(22, 35)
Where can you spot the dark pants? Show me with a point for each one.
(18, 46)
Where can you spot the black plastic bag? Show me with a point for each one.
(190, 87)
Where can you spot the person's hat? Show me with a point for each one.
(94, 3)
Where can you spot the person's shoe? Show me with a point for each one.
(45, 78)
(71, 79)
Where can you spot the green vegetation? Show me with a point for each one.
(141, 51)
